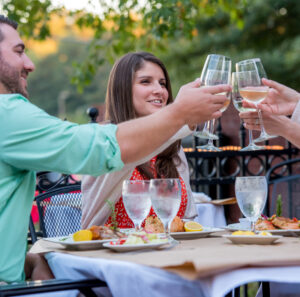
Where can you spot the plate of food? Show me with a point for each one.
(92, 238)
(138, 241)
(249, 237)
(276, 225)
(180, 229)
(195, 234)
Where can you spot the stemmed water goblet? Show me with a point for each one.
(136, 199)
(251, 194)
(165, 197)
(237, 101)
(216, 70)
(249, 76)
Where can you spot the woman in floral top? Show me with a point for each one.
(138, 85)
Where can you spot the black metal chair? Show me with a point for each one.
(59, 215)
(284, 179)
(39, 287)
(59, 212)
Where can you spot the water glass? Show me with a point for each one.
(136, 199)
(251, 194)
(165, 197)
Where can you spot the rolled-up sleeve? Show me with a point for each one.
(34, 140)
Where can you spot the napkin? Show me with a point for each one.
(200, 197)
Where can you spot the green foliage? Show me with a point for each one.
(50, 83)
(32, 15)
(180, 32)
(279, 206)
(114, 223)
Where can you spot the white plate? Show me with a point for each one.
(133, 247)
(196, 234)
(252, 239)
(290, 232)
(69, 243)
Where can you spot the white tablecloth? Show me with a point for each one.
(129, 279)
(210, 215)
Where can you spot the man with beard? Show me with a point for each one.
(31, 140)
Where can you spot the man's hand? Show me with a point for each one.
(197, 104)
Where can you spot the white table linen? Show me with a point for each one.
(210, 215)
(123, 278)
(129, 279)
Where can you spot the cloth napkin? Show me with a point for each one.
(200, 197)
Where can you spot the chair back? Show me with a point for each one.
(284, 179)
(60, 211)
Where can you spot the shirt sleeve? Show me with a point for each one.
(296, 114)
(34, 140)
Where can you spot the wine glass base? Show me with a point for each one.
(209, 147)
(205, 135)
(252, 147)
(264, 138)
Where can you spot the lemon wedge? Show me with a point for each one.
(265, 233)
(247, 233)
(192, 226)
(83, 235)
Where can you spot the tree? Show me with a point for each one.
(185, 29)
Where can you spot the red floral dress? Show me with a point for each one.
(122, 217)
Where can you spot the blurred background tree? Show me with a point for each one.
(80, 46)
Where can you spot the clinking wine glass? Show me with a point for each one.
(165, 197)
(237, 101)
(216, 70)
(251, 194)
(137, 201)
(249, 75)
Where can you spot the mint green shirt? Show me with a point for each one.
(31, 140)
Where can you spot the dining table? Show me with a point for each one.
(208, 266)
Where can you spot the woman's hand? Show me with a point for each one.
(274, 124)
(281, 100)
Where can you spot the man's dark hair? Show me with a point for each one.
(6, 20)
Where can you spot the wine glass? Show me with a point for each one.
(165, 197)
(249, 75)
(251, 194)
(216, 70)
(237, 100)
(136, 199)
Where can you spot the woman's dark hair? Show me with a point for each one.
(120, 108)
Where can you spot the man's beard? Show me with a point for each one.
(11, 79)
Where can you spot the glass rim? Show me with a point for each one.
(218, 56)
(156, 179)
(136, 180)
(248, 61)
(251, 177)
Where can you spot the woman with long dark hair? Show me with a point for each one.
(138, 85)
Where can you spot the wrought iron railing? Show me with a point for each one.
(214, 172)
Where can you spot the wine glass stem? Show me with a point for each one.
(137, 226)
(206, 127)
(253, 226)
(250, 137)
(263, 131)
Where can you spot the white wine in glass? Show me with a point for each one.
(249, 75)
(137, 201)
(216, 71)
(237, 100)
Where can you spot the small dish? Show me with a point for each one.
(289, 232)
(69, 243)
(133, 247)
(196, 234)
(252, 239)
